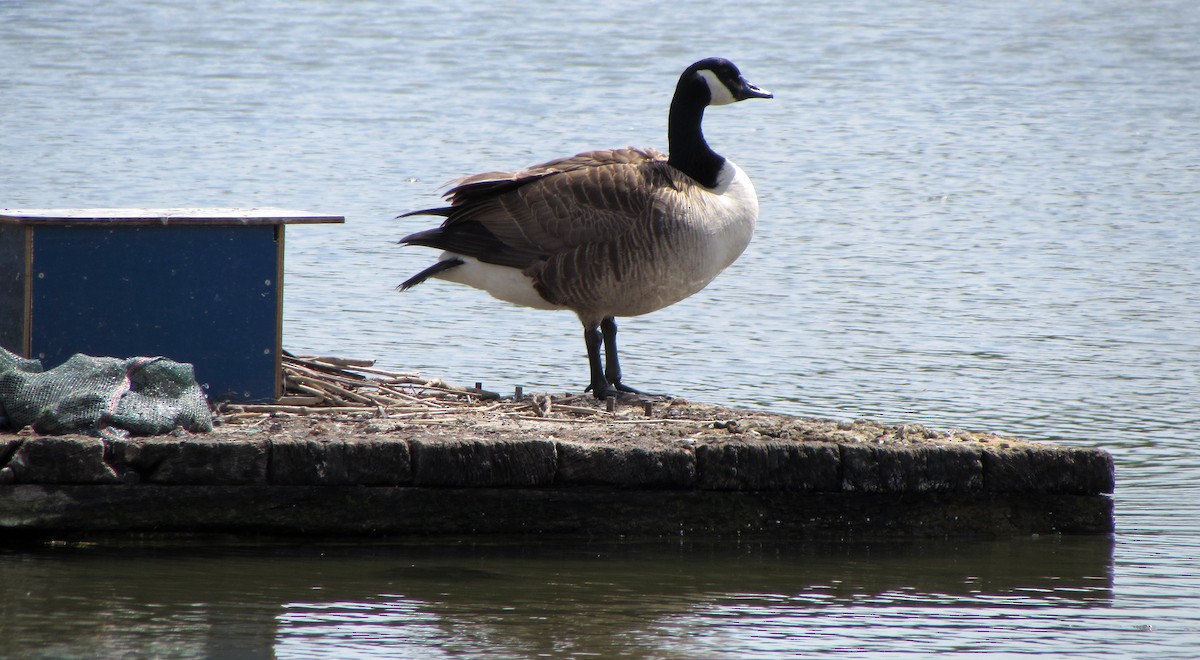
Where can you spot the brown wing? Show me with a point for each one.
(562, 204)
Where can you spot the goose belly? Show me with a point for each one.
(671, 277)
(502, 282)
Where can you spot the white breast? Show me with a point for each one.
(733, 216)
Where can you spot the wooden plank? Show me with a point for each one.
(27, 304)
(167, 216)
(14, 288)
(277, 348)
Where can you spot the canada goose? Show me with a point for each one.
(608, 233)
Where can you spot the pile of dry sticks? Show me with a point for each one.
(351, 388)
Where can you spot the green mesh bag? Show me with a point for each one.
(102, 396)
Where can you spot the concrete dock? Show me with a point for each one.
(693, 471)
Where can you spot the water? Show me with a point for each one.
(978, 215)
(515, 600)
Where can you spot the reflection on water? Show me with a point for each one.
(519, 599)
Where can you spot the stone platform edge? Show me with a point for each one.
(373, 484)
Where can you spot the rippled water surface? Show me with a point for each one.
(980, 215)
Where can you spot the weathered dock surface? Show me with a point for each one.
(688, 470)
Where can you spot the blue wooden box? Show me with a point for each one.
(203, 286)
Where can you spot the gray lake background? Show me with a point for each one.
(973, 215)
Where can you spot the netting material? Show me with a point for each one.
(102, 395)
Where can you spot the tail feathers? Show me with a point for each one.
(472, 239)
(443, 211)
(427, 237)
(430, 272)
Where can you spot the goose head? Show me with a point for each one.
(721, 80)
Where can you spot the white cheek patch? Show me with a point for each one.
(717, 89)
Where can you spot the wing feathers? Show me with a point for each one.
(522, 218)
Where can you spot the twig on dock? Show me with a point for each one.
(294, 410)
(345, 388)
(342, 362)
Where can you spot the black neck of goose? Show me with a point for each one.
(689, 153)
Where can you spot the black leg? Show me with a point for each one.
(612, 364)
(592, 339)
